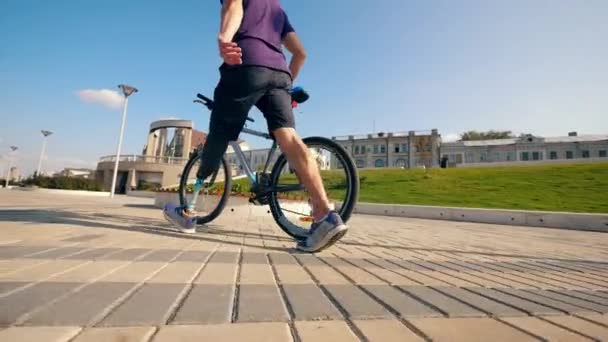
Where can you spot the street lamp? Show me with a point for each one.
(127, 91)
(8, 172)
(45, 135)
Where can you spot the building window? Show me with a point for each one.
(537, 156)
(357, 149)
(569, 155)
(496, 156)
(552, 155)
(360, 163)
(403, 148)
(396, 148)
(379, 163)
(382, 148)
(469, 158)
(375, 148)
(585, 153)
(510, 156)
(483, 156)
(525, 156)
(400, 163)
(602, 153)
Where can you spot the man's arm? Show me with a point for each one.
(298, 54)
(232, 15)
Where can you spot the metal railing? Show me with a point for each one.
(144, 159)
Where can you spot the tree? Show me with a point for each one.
(489, 135)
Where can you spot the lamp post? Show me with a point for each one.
(127, 91)
(8, 172)
(45, 134)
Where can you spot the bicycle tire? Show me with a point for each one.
(347, 207)
(183, 185)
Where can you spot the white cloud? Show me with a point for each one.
(450, 137)
(106, 97)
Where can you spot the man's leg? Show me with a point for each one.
(276, 106)
(306, 167)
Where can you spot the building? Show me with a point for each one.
(160, 165)
(402, 150)
(77, 173)
(526, 148)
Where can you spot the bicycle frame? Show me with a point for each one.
(242, 160)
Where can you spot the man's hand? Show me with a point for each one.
(230, 52)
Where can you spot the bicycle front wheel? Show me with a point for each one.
(213, 195)
(290, 203)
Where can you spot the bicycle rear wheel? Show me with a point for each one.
(213, 195)
(290, 202)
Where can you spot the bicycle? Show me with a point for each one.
(271, 189)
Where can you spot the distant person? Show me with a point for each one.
(255, 72)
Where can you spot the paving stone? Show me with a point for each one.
(534, 297)
(292, 274)
(150, 305)
(176, 273)
(60, 252)
(46, 334)
(260, 303)
(520, 304)
(81, 307)
(93, 254)
(357, 274)
(7, 252)
(282, 259)
(83, 238)
(309, 303)
(250, 332)
(386, 331)
(256, 274)
(543, 329)
(356, 303)
(218, 274)
(223, 257)
(88, 272)
(135, 272)
(461, 329)
(43, 271)
(460, 279)
(7, 286)
(254, 258)
(592, 296)
(563, 297)
(22, 302)
(581, 326)
(161, 255)
(206, 304)
(121, 334)
(327, 275)
(449, 306)
(324, 331)
(126, 254)
(193, 256)
(15, 265)
(378, 272)
(484, 304)
(401, 302)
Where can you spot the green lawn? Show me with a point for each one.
(573, 187)
(565, 187)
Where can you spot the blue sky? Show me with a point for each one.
(528, 66)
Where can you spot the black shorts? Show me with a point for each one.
(241, 88)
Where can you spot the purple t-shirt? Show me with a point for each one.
(261, 33)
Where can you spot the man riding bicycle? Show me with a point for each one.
(255, 72)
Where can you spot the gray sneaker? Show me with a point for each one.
(323, 234)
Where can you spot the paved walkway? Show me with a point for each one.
(90, 269)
